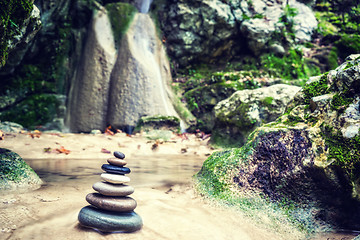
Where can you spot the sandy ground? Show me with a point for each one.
(161, 175)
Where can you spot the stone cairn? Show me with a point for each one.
(111, 209)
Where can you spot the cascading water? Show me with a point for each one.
(139, 79)
(144, 6)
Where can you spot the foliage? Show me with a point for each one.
(287, 19)
(121, 15)
(291, 66)
(338, 16)
(12, 15)
(325, 27)
(35, 110)
(47, 72)
(29, 79)
(348, 44)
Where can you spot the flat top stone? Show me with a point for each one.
(118, 154)
(117, 204)
(115, 169)
(109, 189)
(108, 221)
(117, 162)
(115, 178)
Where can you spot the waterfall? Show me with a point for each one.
(144, 6)
(118, 89)
(140, 78)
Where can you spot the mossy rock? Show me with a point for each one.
(13, 14)
(305, 161)
(15, 173)
(237, 116)
(158, 122)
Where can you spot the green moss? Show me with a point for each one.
(268, 101)
(213, 175)
(316, 88)
(121, 15)
(311, 119)
(292, 66)
(12, 167)
(293, 120)
(344, 151)
(341, 100)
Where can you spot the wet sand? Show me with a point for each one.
(162, 178)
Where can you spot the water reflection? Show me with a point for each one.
(146, 170)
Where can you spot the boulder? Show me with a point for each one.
(260, 31)
(11, 127)
(205, 30)
(237, 116)
(217, 31)
(308, 158)
(18, 43)
(15, 174)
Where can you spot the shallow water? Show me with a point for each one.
(162, 180)
(146, 170)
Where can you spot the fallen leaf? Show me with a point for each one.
(108, 131)
(103, 150)
(35, 134)
(47, 150)
(62, 150)
(154, 146)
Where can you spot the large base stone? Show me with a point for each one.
(108, 221)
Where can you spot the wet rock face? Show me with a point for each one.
(214, 31)
(278, 156)
(88, 97)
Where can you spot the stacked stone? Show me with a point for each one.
(111, 209)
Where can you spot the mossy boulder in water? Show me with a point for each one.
(15, 173)
(309, 157)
